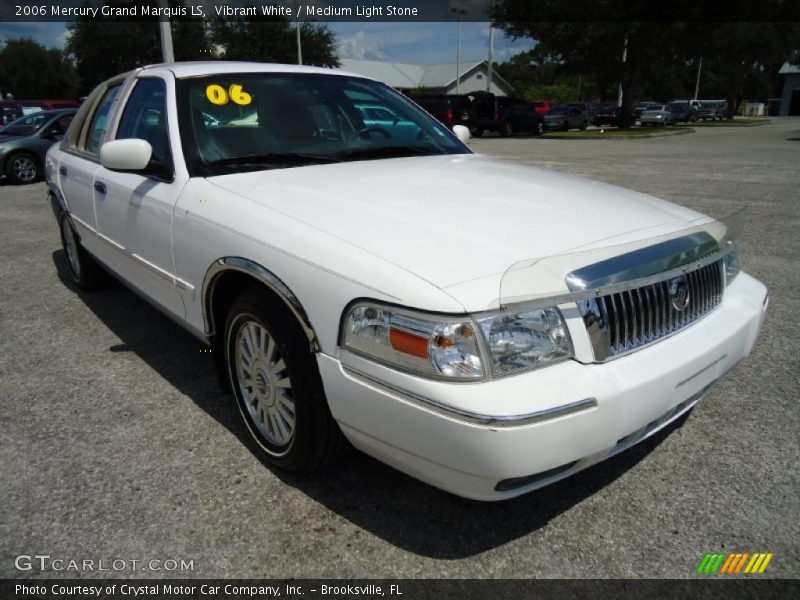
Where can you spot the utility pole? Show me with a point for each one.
(167, 54)
(624, 60)
(697, 82)
(491, 58)
(459, 12)
(297, 29)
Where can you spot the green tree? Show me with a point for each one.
(273, 39)
(28, 70)
(741, 60)
(107, 46)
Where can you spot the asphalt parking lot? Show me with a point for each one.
(115, 442)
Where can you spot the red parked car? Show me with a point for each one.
(32, 106)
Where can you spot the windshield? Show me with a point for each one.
(27, 125)
(657, 107)
(253, 121)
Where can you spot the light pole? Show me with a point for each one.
(491, 58)
(697, 82)
(624, 60)
(297, 29)
(167, 55)
(459, 12)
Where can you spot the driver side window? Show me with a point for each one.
(145, 118)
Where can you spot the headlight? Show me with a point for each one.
(731, 262)
(453, 347)
(418, 342)
(525, 340)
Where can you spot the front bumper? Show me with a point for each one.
(433, 430)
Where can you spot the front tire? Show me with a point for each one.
(277, 385)
(22, 167)
(83, 269)
(506, 130)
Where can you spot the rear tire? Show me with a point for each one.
(584, 125)
(83, 269)
(478, 132)
(277, 386)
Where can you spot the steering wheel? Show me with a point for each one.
(371, 129)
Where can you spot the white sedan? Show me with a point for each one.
(484, 326)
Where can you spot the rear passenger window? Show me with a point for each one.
(99, 124)
(145, 118)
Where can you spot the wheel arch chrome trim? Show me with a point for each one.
(261, 275)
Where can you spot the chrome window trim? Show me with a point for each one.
(472, 417)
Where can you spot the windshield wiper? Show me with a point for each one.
(275, 158)
(387, 152)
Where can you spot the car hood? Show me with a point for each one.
(456, 218)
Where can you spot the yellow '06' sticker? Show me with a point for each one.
(218, 95)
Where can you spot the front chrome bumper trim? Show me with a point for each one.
(471, 417)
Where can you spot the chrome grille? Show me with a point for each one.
(623, 321)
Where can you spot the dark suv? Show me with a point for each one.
(450, 110)
(506, 115)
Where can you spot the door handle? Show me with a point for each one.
(100, 187)
(63, 170)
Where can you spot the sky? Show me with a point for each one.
(419, 43)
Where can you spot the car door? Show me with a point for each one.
(79, 162)
(134, 210)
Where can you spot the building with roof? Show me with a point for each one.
(790, 97)
(435, 79)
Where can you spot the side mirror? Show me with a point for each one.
(462, 133)
(126, 155)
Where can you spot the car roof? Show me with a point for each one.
(183, 70)
(53, 112)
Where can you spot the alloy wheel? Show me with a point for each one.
(23, 168)
(264, 384)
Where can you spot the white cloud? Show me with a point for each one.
(361, 45)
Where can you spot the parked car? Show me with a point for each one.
(606, 114)
(683, 112)
(588, 108)
(711, 109)
(640, 108)
(506, 115)
(566, 118)
(542, 106)
(387, 122)
(24, 143)
(421, 301)
(33, 106)
(660, 114)
(9, 111)
(450, 109)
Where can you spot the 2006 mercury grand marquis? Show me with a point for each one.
(486, 327)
